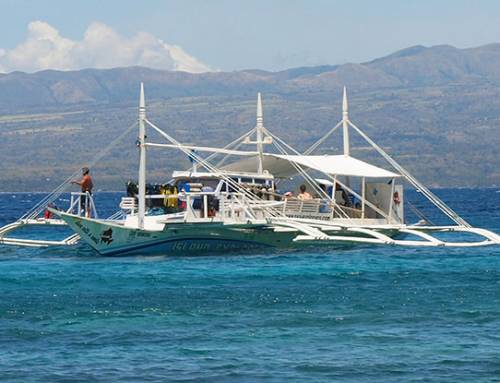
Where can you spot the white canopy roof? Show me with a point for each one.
(282, 165)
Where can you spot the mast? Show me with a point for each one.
(142, 159)
(259, 131)
(260, 139)
(345, 129)
(345, 122)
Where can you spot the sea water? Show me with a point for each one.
(367, 314)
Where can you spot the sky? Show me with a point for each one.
(227, 35)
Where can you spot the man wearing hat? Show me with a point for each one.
(86, 184)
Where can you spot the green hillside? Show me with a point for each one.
(437, 110)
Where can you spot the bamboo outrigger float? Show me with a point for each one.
(238, 205)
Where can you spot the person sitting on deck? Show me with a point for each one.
(86, 185)
(182, 200)
(346, 197)
(287, 196)
(304, 195)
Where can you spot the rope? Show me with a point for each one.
(270, 210)
(212, 169)
(418, 213)
(430, 196)
(304, 173)
(322, 139)
(229, 145)
(281, 141)
(368, 203)
(312, 181)
(235, 148)
(51, 197)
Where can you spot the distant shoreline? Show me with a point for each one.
(48, 192)
(123, 191)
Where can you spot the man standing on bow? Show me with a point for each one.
(86, 184)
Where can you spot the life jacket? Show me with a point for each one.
(171, 197)
(164, 190)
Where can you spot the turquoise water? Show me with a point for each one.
(360, 315)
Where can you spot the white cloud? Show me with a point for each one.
(101, 47)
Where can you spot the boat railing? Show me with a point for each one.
(318, 208)
(238, 206)
(225, 205)
(188, 201)
(82, 204)
(205, 204)
(129, 204)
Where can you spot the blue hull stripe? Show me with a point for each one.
(150, 244)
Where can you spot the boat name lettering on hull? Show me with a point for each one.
(133, 234)
(194, 245)
(86, 231)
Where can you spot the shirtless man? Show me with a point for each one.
(304, 195)
(86, 184)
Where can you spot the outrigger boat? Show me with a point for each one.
(226, 206)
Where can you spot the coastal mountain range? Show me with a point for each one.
(436, 109)
(415, 66)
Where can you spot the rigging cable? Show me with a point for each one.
(430, 196)
(52, 196)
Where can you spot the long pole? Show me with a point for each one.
(363, 196)
(259, 131)
(391, 202)
(345, 128)
(142, 159)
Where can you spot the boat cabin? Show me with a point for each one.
(218, 184)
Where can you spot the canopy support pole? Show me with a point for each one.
(333, 195)
(363, 196)
(391, 202)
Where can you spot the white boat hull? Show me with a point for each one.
(110, 238)
(113, 238)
